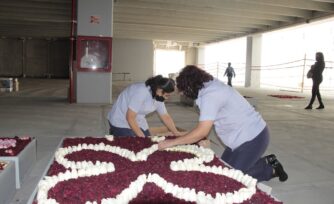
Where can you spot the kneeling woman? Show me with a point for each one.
(237, 125)
(127, 115)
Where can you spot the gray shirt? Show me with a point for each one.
(235, 120)
(139, 99)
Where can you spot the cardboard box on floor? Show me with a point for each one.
(163, 131)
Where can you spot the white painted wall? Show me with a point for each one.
(132, 56)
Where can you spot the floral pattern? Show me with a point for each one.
(132, 170)
(12, 146)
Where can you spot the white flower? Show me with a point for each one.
(110, 137)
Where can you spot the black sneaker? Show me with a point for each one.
(270, 159)
(308, 107)
(279, 171)
(321, 107)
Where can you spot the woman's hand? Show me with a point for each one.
(204, 143)
(165, 144)
(179, 133)
(141, 135)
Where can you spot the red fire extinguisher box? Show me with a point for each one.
(94, 54)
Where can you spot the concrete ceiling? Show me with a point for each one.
(188, 21)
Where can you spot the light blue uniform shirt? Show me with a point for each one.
(235, 120)
(139, 99)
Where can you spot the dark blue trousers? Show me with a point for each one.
(123, 132)
(248, 157)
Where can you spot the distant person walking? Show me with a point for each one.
(316, 74)
(230, 73)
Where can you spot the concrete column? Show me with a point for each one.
(94, 19)
(253, 61)
(191, 56)
(200, 55)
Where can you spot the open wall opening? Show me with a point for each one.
(168, 62)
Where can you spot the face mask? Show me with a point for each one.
(159, 98)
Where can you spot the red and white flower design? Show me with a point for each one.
(12, 146)
(7, 143)
(130, 170)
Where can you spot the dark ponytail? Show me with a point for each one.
(166, 84)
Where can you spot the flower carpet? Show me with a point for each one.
(12, 146)
(133, 170)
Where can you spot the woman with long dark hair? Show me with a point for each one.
(127, 115)
(316, 71)
(242, 129)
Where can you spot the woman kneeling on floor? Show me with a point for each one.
(237, 125)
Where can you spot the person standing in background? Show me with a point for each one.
(316, 75)
(230, 73)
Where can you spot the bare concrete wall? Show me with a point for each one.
(134, 57)
(59, 58)
(34, 57)
(36, 60)
(10, 57)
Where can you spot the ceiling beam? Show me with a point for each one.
(164, 36)
(28, 4)
(195, 10)
(233, 26)
(25, 18)
(30, 32)
(296, 4)
(224, 4)
(177, 16)
(169, 28)
(328, 1)
(34, 19)
(33, 11)
(183, 20)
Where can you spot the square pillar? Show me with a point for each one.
(95, 20)
(253, 61)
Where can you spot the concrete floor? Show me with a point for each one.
(302, 139)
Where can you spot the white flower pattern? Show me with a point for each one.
(88, 168)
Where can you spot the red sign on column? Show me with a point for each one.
(95, 19)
